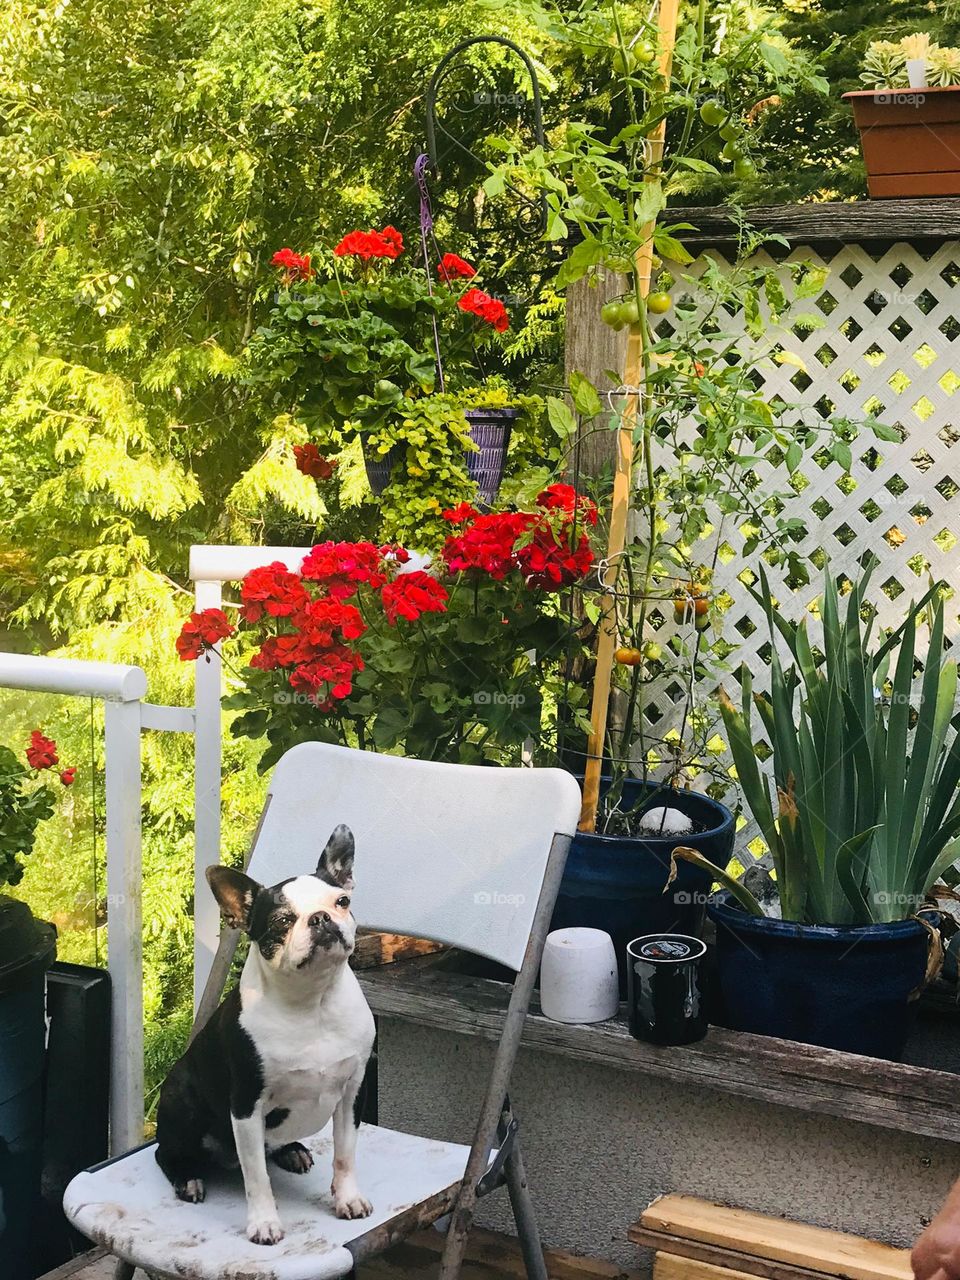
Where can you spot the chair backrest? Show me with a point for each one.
(456, 853)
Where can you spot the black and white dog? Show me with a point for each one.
(286, 1049)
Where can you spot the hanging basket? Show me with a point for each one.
(379, 467)
(490, 429)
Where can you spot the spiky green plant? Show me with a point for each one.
(866, 813)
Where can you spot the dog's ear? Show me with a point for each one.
(336, 861)
(234, 893)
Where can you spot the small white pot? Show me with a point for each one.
(578, 976)
(917, 73)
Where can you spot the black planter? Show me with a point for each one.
(378, 469)
(27, 949)
(844, 988)
(616, 883)
(490, 429)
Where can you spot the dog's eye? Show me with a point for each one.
(342, 902)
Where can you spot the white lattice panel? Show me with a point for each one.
(890, 346)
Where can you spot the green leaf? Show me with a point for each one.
(578, 262)
(667, 246)
(841, 453)
(584, 394)
(560, 417)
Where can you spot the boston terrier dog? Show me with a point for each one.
(286, 1049)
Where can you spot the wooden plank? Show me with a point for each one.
(850, 222)
(95, 1265)
(804, 1077)
(727, 1261)
(502, 1253)
(671, 1266)
(829, 1253)
(375, 948)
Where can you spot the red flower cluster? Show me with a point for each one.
(201, 632)
(412, 594)
(365, 245)
(296, 265)
(42, 751)
(543, 546)
(453, 268)
(490, 310)
(311, 462)
(341, 567)
(274, 590)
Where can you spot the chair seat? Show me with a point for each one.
(128, 1206)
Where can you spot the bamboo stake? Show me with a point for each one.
(622, 480)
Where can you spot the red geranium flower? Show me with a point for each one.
(490, 310)
(453, 268)
(42, 751)
(271, 589)
(342, 566)
(563, 497)
(67, 776)
(460, 514)
(548, 562)
(365, 245)
(486, 545)
(296, 265)
(412, 594)
(311, 461)
(201, 631)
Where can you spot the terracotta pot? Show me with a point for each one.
(910, 140)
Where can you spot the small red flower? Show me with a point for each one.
(411, 595)
(42, 751)
(201, 632)
(67, 776)
(343, 566)
(453, 268)
(461, 514)
(296, 265)
(490, 310)
(563, 497)
(365, 245)
(311, 462)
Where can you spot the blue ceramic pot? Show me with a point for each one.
(490, 429)
(616, 883)
(845, 988)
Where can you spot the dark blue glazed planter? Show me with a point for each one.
(490, 429)
(844, 988)
(616, 883)
(27, 949)
(378, 469)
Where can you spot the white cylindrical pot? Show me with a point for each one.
(578, 976)
(917, 73)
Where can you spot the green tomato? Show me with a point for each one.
(733, 151)
(659, 302)
(744, 170)
(730, 132)
(713, 113)
(644, 52)
(629, 311)
(611, 313)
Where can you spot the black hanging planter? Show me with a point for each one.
(27, 949)
(379, 468)
(491, 430)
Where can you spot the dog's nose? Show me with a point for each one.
(319, 918)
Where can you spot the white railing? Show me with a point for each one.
(122, 690)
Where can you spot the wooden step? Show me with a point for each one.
(759, 1245)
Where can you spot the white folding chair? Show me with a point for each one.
(465, 855)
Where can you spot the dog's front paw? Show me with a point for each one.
(192, 1190)
(351, 1204)
(294, 1157)
(264, 1230)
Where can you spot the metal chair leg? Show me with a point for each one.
(524, 1215)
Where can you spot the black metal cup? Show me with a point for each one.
(665, 998)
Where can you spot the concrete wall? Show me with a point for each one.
(599, 1145)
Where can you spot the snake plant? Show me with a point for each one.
(866, 763)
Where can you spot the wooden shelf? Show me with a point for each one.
(867, 1090)
(857, 221)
